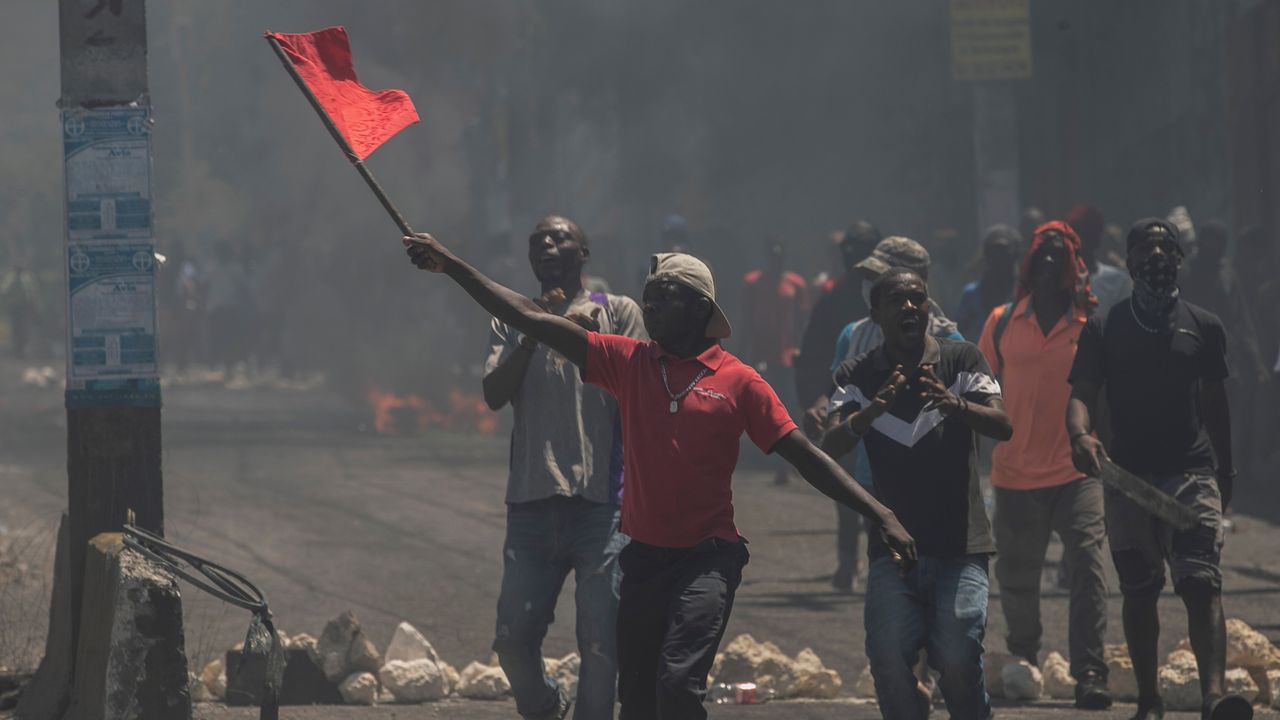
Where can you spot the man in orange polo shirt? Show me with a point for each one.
(1031, 343)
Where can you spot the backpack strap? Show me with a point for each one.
(1002, 324)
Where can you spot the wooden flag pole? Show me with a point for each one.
(342, 141)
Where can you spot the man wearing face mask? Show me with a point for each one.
(1030, 343)
(1162, 363)
(564, 485)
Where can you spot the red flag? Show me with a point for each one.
(366, 118)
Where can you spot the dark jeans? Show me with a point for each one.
(939, 606)
(1024, 520)
(545, 540)
(674, 607)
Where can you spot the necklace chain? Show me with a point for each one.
(1133, 311)
(662, 363)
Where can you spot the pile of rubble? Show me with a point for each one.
(344, 667)
(1253, 672)
(804, 676)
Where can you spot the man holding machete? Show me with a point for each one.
(684, 404)
(1162, 362)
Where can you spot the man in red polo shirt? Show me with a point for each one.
(684, 404)
(777, 301)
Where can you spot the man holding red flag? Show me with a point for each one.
(685, 403)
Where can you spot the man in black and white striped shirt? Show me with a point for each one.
(917, 401)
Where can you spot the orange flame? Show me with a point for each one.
(411, 414)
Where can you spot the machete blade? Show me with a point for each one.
(1149, 497)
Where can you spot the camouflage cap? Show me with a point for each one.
(896, 252)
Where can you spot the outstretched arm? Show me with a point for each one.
(820, 471)
(564, 336)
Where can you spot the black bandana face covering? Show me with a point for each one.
(1155, 286)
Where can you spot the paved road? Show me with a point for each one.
(843, 710)
(283, 486)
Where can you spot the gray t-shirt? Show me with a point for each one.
(566, 439)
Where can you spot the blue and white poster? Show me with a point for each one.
(112, 313)
(111, 302)
(108, 173)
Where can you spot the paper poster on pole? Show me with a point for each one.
(112, 316)
(108, 173)
(111, 299)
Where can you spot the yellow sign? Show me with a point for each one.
(990, 39)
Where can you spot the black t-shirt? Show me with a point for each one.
(831, 313)
(924, 466)
(1152, 381)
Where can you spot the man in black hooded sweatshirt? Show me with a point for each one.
(839, 304)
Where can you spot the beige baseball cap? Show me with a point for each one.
(695, 275)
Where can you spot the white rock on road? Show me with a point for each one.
(344, 650)
(1240, 682)
(865, 687)
(809, 678)
(408, 645)
(1248, 648)
(1058, 683)
(452, 677)
(483, 682)
(745, 660)
(1120, 677)
(199, 693)
(565, 672)
(359, 689)
(1180, 681)
(414, 681)
(214, 679)
(993, 664)
(1021, 681)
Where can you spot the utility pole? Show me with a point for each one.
(113, 387)
(991, 48)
